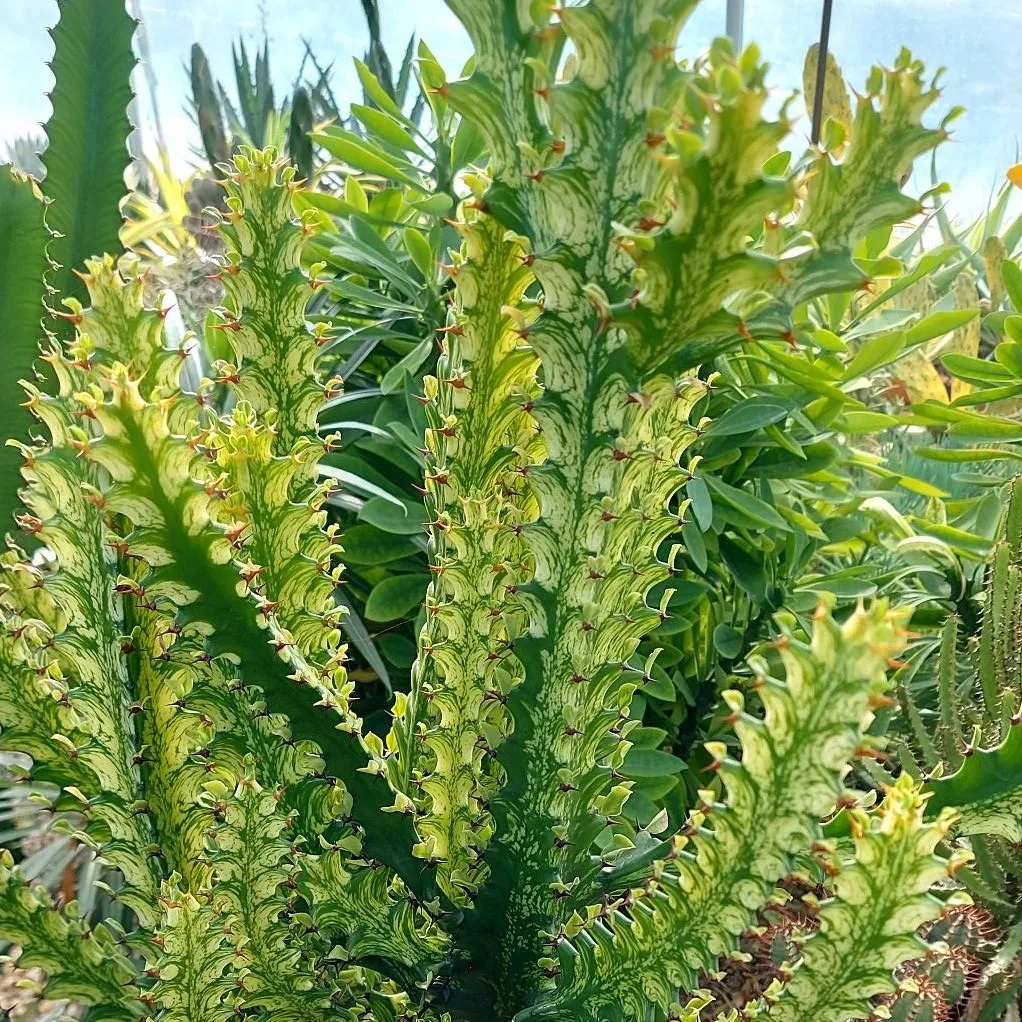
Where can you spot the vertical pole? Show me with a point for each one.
(735, 22)
(821, 69)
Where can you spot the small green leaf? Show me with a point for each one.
(965, 455)
(398, 649)
(647, 737)
(419, 249)
(651, 763)
(927, 264)
(842, 588)
(406, 521)
(987, 427)
(1011, 275)
(702, 502)
(435, 205)
(937, 324)
(394, 597)
(747, 417)
(376, 92)
(640, 808)
(363, 155)
(982, 397)
(385, 128)
(1013, 327)
(829, 341)
(920, 486)
(885, 266)
(1009, 355)
(866, 422)
(777, 164)
(956, 538)
(467, 146)
(747, 571)
(695, 545)
(759, 512)
(886, 321)
(727, 641)
(659, 686)
(394, 378)
(874, 352)
(354, 194)
(975, 370)
(367, 544)
(655, 788)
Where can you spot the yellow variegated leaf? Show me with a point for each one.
(918, 378)
(836, 104)
(964, 340)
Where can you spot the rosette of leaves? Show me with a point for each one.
(253, 118)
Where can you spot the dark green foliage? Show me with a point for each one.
(23, 241)
(86, 151)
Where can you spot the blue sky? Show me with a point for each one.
(976, 39)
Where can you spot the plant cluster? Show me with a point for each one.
(627, 670)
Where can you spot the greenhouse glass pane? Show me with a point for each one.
(336, 29)
(706, 23)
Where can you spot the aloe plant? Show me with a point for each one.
(176, 672)
(254, 120)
